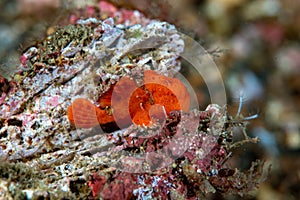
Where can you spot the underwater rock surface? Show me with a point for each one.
(43, 155)
(80, 60)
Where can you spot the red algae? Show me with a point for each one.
(97, 183)
(192, 174)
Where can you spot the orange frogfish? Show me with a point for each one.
(126, 102)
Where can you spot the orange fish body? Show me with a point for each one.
(83, 114)
(120, 101)
(132, 104)
(168, 87)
